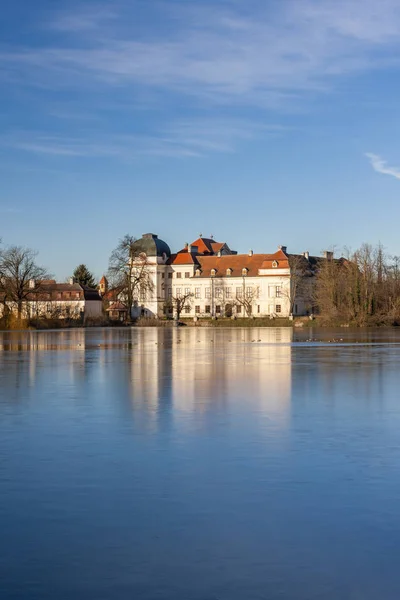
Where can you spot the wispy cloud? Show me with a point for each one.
(230, 55)
(9, 210)
(181, 138)
(381, 166)
(198, 59)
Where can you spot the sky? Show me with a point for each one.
(258, 122)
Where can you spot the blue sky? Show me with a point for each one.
(260, 122)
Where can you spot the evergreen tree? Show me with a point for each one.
(83, 276)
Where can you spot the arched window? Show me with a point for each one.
(229, 272)
(213, 272)
(244, 271)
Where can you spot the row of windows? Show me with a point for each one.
(218, 309)
(213, 272)
(218, 292)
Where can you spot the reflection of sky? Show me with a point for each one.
(139, 458)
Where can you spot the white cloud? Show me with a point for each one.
(380, 166)
(233, 55)
(181, 138)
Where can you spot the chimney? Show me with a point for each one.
(306, 255)
(283, 248)
(71, 281)
(186, 245)
(32, 284)
(250, 252)
(328, 255)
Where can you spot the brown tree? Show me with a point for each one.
(129, 272)
(178, 302)
(20, 276)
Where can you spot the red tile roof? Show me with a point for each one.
(237, 262)
(182, 258)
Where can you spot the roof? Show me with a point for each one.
(183, 257)
(238, 262)
(103, 279)
(117, 306)
(208, 246)
(50, 290)
(151, 245)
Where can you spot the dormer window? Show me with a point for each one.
(198, 272)
(274, 264)
(244, 271)
(213, 272)
(229, 272)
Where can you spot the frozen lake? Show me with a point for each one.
(200, 464)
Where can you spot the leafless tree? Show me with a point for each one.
(129, 272)
(300, 285)
(178, 302)
(21, 277)
(246, 298)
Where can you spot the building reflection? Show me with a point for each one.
(198, 371)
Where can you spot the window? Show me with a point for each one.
(258, 308)
(162, 275)
(76, 295)
(218, 310)
(178, 292)
(198, 272)
(197, 293)
(239, 309)
(197, 309)
(187, 291)
(187, 309)
(213, 272)
(278, 291)
(218, 292)
(249, 310)
(142, 294)
(295, 309)
(169, 292)
(169, 275)
(239, 292)
(207, 308)
(59, 295)
(278, 308)
(228, 293)
(208, 292)
(229, 272)
(274, 264)
(249, 292)
(179, 275)
(187, 275)
(244, 271)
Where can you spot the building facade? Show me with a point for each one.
(208, 279)
(49, 299)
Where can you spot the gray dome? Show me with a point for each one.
(151, 245)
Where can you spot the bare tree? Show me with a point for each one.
(21, 278)
(178, 302)
(129, 272)
(299, 287)
(246, 298)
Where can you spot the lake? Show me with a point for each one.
(200, 464)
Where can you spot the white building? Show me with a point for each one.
(216, 281)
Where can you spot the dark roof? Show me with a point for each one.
(90, 293)
(151, 245)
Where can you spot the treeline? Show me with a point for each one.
(361, 289)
